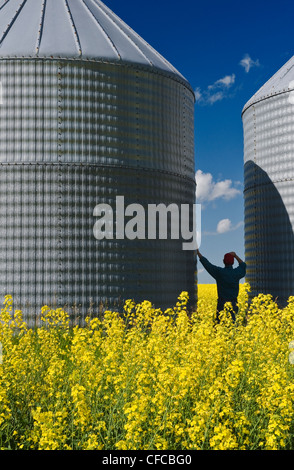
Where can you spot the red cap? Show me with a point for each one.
(228, 258)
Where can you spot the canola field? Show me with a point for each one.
(149, 379)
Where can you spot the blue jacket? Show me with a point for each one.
(227, 278)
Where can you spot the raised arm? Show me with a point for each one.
(210, 268)
(236, 257)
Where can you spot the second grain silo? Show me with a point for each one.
(89, 111)
(268, 120)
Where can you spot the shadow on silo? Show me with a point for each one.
(269, 238)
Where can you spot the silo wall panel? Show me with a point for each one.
(269, 196)
(50, 255)
(74, 135)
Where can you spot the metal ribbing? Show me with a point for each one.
(56, 29)
(75, 31)
(101, 27)
(118, 24)
(139, 42)
(269, 196)
(76, 135)
(60, 186)
(41, 26)
(9, 26)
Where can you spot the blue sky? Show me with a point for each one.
(227, 50)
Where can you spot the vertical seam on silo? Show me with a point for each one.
(185, 131)
(33, 67)
(74, 28)
(5, 215)
(184, 170)
(82, 80)
(104, 31)
(9, 26)
(40, 32)
(255, 199)
(76, 170)
(137, 117)
(117, 25)
(75, 223)
(59, 223)
(6, 171)
(138, 158)
(19, 170)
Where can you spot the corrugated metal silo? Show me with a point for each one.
(89, 111)
(268, 121)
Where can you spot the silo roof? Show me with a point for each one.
(281, 82)
(73, 29)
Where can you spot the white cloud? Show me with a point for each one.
(208, 190)
(225, 225)
(248, 63)
(215, 92)
(211, 99)
(198, 94)
(225, 82)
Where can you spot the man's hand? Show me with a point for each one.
(198, 253)
(237, 257)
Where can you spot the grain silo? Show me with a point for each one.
(268, 120)
(89, 112)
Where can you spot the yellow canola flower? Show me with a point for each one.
(148, 379)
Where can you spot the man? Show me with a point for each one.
(227, 280)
